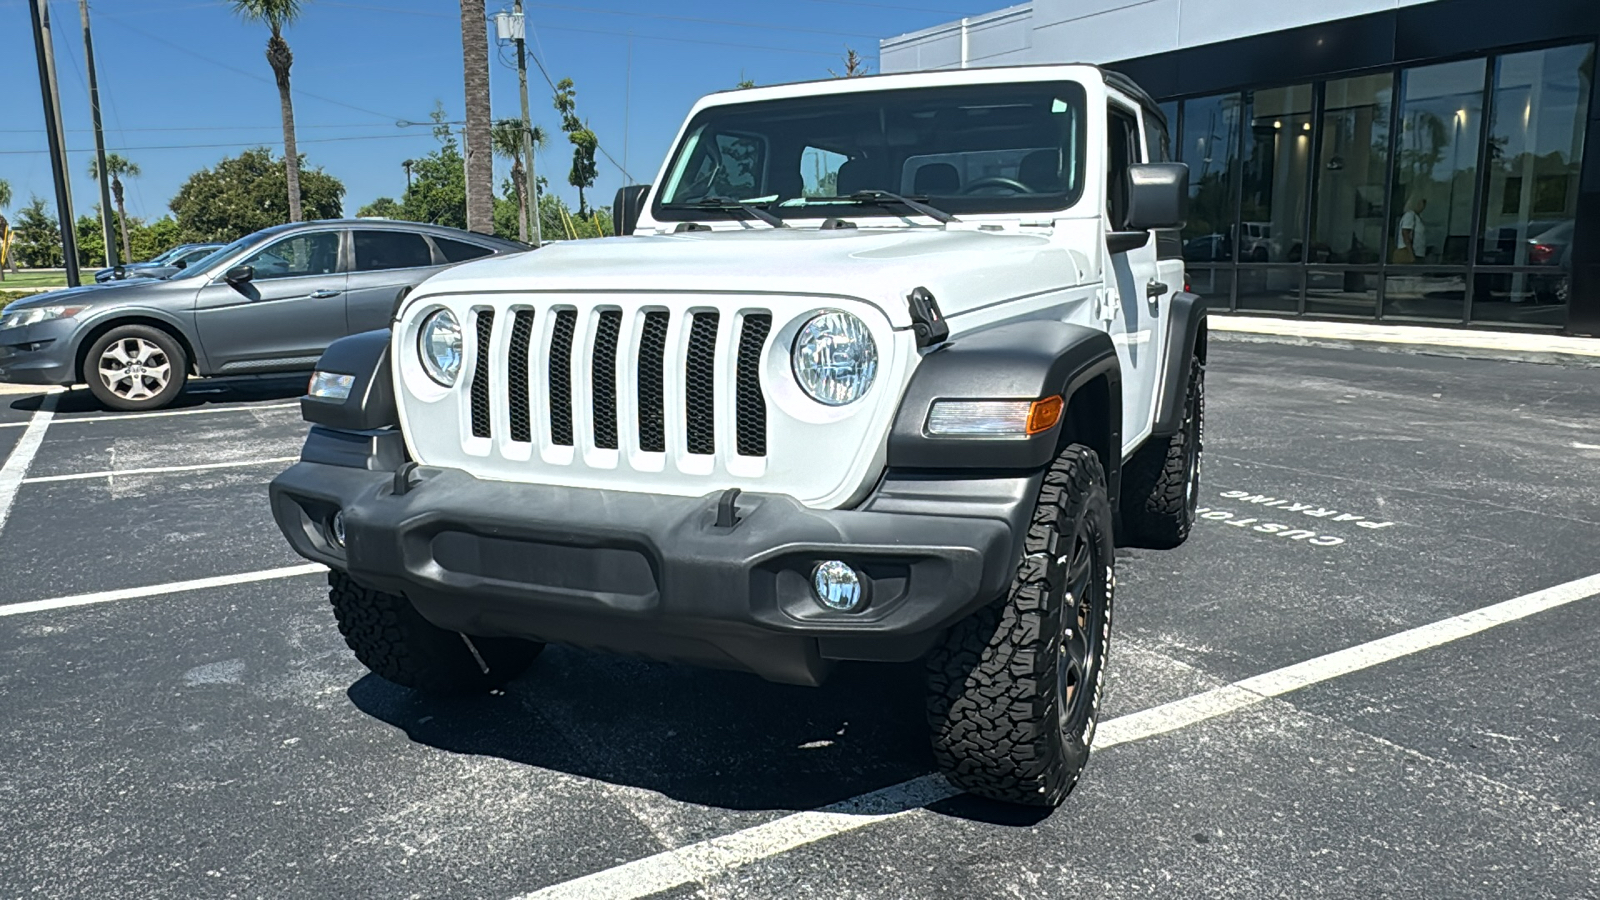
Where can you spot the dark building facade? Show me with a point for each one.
(1423, 164)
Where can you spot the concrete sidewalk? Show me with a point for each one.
(1519, 346)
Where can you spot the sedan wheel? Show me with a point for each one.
(136, 367)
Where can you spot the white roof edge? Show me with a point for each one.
(925, 78)
(947, 27)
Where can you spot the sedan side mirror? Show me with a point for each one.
(181, 264)
(625, 210)
(239, 274)
(1158, 196)
(118, 272)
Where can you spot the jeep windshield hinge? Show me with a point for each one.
(927, 323)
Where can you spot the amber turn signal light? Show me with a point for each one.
(1044, 414)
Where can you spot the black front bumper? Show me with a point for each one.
(655, 575)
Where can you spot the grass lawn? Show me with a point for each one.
(27, 279)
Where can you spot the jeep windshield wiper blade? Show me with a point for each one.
(884, 197)
(729, 203)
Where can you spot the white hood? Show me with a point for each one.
(965, 269)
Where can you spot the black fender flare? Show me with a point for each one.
(1186, 338)
(1025, 360)
(371, 402)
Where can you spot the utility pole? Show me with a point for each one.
(58, 146)
(106, 221)
(515, 27)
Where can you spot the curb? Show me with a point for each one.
(1422, 340)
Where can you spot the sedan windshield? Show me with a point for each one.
(971, 149)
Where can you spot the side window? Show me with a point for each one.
(1158, 147)
(819, 172)
(297, 256)
(459, 251)
(1123, 151)
(378, 250)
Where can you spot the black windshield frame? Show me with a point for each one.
(885, 138)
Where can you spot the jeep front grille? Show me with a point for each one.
(541, 376)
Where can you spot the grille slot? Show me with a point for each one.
(750, 405)
(603, 379)
(652, 383)
(480, 376)
(517, 374)
(699, 377)
(561, 377)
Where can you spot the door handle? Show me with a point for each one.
(324, 294)
(1154, 290)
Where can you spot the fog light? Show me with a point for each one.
(837, 586)
(336, 528)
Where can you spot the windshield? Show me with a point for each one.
(992, 148)
(212, 259)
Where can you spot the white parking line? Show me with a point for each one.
(16, 465)
(155, 590)
(128, 417)
(719, 855)
(160, 470)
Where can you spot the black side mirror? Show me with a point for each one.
(118, 272)
(181, 264)
(1158, 196)
(239, 274)
(626, 208)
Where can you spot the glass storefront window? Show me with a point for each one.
(1436, 162)
(1352, 167)
(1269, 288)
(1541, 105)
(1210, 147)
(1422, 294)
(1278, 157)
(1214, 285)
(1342, 292)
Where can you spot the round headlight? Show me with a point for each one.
(439, 345)
(835, 358)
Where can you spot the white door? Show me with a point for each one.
(1138, 323)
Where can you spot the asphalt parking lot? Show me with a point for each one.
(168, 739)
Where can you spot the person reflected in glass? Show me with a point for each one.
(1412, 243)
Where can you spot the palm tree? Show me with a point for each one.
(277, 15)
(117, 167)
(5, 201)
(506, 137)
(479, 149)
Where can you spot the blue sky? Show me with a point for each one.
(174, 74)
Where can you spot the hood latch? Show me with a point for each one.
(927, 323)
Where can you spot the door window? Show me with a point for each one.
(1124, 151)
(459, 251)
(379, 250)
(297, 256)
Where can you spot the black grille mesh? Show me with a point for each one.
(480, 376)
(561, 377)
(750, 405)
(603, 379)
(652, 380)
(517, 375)
(699, 379)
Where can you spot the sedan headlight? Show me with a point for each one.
(835, 359)
(439, 345)
(18, 318)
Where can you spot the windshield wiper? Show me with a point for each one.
(884, 197)
(728, 203)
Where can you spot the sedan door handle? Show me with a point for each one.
(324, 294)
(1155, 289)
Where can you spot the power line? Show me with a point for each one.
(695, 20)
(182, 49)
(332, 140)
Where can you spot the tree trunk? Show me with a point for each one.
(480, 152)
(122, 217)
(522, 198)
(280, 57)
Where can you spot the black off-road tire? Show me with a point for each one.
(392, 639)
(1161, 483)
(1005, 725)
(159, 347)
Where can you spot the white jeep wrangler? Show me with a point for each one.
(882, 370)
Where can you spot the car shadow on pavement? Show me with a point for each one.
(199, 392)
(720, 739)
